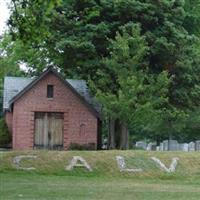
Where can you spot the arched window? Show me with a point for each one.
(82, 130)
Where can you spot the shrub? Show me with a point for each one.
(5, 137)
(75, 146)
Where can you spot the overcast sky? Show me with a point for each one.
(4, 14)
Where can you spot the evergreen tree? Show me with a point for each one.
(74, 35)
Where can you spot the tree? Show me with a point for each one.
(74, 36)
(9, 65)
(136, 98)
(192, 18)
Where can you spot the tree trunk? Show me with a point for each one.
(99, 136)
(118, 135)
(111, 138)
(124, 139)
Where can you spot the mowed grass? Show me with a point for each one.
(52, 187)
(50, 181)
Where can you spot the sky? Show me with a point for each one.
(4, 14)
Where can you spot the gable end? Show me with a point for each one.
(66, 83)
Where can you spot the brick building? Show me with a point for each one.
(49, 112)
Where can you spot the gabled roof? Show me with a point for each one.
(12, 86)
(15, 87)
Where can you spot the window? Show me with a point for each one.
(49, 91)
(82, 130)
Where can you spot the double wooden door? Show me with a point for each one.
(48, 130)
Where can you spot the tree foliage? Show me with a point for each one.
(134, 89)
(142, 57)
(9, 63)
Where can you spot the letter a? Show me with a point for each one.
(74, 163)
(122, 165)
(162, 166)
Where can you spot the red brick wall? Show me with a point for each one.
(75, 114)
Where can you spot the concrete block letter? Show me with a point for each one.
(17, 160)
(78, 161)
(122, 165)
(172, 167)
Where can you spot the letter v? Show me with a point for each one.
(162, 166)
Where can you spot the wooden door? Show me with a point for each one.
(48, 130)
(41, 130)
(55, 130)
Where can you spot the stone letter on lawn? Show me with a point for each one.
(17, 160)
(122, 165)
(78, 161)
(162, 166)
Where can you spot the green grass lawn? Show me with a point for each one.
(50, 181)
(45, 187)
